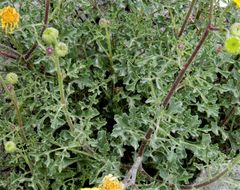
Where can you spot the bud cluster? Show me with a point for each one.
(50, 37)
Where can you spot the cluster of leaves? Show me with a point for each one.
(112, 108)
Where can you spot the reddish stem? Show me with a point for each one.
(228, 116)
(35, 45)
(186, 19)
(185, 67)
(7, 55)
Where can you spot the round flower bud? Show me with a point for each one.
(10, 147)
(61, 49)
(50, 36)
(104, 23)
(11, 78)
(235, 29)
(232, 45)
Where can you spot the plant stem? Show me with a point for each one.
(190, 60)
(30, 165)
(216, 177)
(186, 18)
(110, 54)
(35, 45)
(27, 160)
(13, 97)
(47, 7)
(61, 90)
(203, 184)
(131, 176)
(14, 100)
(56, 10)
(185, 67)
(10, 49)
(228, 116)
(8, 55)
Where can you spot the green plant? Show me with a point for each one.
(112, 87)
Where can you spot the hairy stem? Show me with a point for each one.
(8, 55)
(186, 19)
(109, 45)
(61, 90)
(216, 177)
(13, 97)
(185, 67)
(26, 157)
(47, 7)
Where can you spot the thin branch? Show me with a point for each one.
(202, 184)
(190, 60)
(35, 45)
(185, 67)
(145, 141)
(144, 173)
(13, 97)
(210, 16)
(7, 55)
(228, 116)
(216, 177)
(47, 7)
(30, 51)
(206, 183)
(186, 18)
(131, 176)
(10, 49)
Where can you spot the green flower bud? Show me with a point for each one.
(10, 147)
(61, 49)
(235, 29)
(50, 36)
(232, 45)
(104, 23)
(11, 78)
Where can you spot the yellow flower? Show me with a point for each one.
(237, 2)
(232, 45)
(111, 183)
(9, 18)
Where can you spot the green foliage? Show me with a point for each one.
(113, 104)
